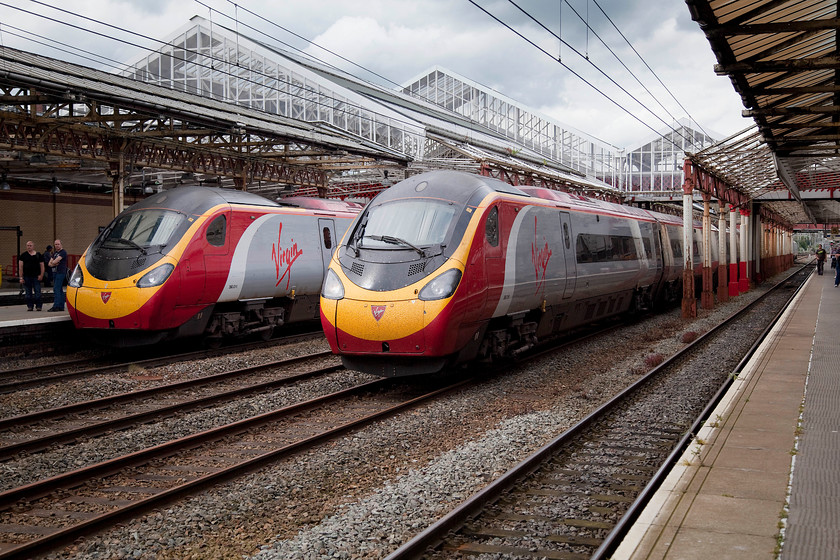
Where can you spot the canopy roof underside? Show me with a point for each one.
(781, 56)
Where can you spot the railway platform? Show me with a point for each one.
(761, 480)
(18, 324)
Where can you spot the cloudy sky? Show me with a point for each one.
(395, 40)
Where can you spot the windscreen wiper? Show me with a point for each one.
(128, 242)
(397, 241)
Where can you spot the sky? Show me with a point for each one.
(561, 68)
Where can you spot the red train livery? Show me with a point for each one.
(197, 261)
(447, 267)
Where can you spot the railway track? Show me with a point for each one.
(39, 375)
(40, 430)
(45, 514)
(575, 497)
(85, 505)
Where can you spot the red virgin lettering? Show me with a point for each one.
(284, 258)
(540, 257)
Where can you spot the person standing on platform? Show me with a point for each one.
(820, 259)
(31, 271)
(48, 270)
(59, 261)
(836, 256)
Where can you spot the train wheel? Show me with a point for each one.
(213, 342)
(267, 334)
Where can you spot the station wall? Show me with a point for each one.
(73, 217)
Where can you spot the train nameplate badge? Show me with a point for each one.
(378, 311)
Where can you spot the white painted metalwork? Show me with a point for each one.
(522, 125)
(656, 165)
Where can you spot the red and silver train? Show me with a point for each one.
(447, 267)
(196, 261)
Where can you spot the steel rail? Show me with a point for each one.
(74, 478)
(623, 525)
(141, 417)
(150, 362)
(435, 534)
(40, 415)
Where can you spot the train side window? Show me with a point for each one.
(216, 231)
(594, 248)
(566, 236)
(491, 228)
(647, 247)
(676, 248)
(327, 238)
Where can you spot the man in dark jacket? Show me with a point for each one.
(48, 271)
(821, 253)
(59, 261)
(31, 271)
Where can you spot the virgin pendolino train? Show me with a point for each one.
(447, 267)
(211, 262)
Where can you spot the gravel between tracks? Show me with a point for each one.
(363, 496)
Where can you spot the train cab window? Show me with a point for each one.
(216, 231)
(491, 227)
(327, 238)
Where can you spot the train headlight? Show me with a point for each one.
(333, 288)
(441, 287)
(156, 277)
(77, 278)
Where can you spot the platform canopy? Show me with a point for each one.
(781, 56)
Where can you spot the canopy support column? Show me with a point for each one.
(707, 297)
(744, 278)
(723, 291)
(689, 302)
(733, 253)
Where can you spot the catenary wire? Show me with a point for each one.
(618, 59)
(477, 126)
(587, 59)
(581, 78)
(221, 72)
(278, 26)
(649, 68)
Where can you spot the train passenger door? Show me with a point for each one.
(493, 250)
(326, 232)
(197, 261)
(216, 262)
(569, 254)
(658, 254)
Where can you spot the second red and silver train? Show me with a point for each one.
(447, 267)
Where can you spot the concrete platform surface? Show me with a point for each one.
(762, 478)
